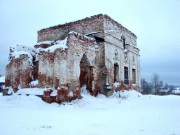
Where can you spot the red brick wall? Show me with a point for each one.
(83, 26)
(15, 74)
(19, 72)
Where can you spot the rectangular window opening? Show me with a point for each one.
(126, 75)
(134, 76)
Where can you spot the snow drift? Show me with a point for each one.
(126, 113)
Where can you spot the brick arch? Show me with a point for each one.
(86, 73)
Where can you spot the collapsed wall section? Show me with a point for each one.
(19, 73)
(19, 70)
(78, 46)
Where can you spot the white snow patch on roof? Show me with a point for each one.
(79, 34)
(57, 44)
(18, 54)
(19, 50)
(94, 32)
(45, 42)
(22, 48)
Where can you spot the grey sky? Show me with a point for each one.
(156, 24)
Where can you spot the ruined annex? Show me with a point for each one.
(96, 51)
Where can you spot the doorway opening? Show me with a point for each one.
(85, 77)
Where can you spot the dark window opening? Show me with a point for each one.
(126, 75)
(124, 42)
(99, 39)
(116, 72)
(133, 76)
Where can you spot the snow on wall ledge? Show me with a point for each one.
(53, 63)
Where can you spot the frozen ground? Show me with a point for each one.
(132, 114)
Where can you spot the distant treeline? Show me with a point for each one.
(152, 87)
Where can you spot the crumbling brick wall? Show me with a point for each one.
(19, 72)
(84, 26)
(93, 46)
(26, 71)
(62, 67)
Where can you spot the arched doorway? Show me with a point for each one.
(85, 77)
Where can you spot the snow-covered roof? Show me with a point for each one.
(45, 42)
(56, 44)
(18, 54)
(164, 90)
(22, 49)
(62, 44)
(81, 35)
(18, 50)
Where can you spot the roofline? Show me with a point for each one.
(62, 25)
(88, 18)
(120, 26)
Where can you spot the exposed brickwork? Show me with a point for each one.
(36, 70)
(25, 72)
(16, 74)
(71, 55)
(47, 96)
(85, 26)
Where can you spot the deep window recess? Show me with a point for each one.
(99, 39)
(133, 76)
(124, 42)
(116, 72)
(126, 75)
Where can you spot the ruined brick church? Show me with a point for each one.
(96, 51)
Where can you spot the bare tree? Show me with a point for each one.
(171, 87)
(166, 86)
(146, 87)
(161, 84)
(155, 82)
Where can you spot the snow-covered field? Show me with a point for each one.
(132, 114)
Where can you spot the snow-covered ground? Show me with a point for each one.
(132, 114)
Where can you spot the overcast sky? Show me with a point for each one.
(155, 22)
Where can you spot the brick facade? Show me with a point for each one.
(95, 51)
